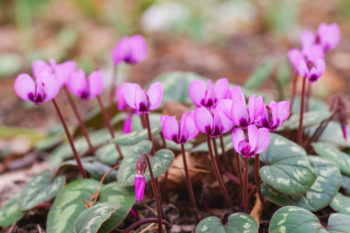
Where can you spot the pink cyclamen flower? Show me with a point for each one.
(207, 95)
(179, 132)
(120, 98)
(241, 114)
(43, 89)
(328, 36)
(308, 63)
(274, 115)
(140, 181)
(131, 50)
(86, 88)
(258, 141)
(140, 100)
(213, 123)
(62, 71)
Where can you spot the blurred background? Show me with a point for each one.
(213, 38)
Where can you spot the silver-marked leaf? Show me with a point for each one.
(124, 196)
(10, 212)
(338, 223)
(260, 75)
(108, 154)
(173, 146)
(309, 119)
(40, 189)
(160, 163)
(203, 147)
(64, 151)
(329, 151)
(295, 219)
(236, 223)
(346, 184)
(319, 195)
(314, 105)
(341, 203)
(68, 205)
(91, 219)
(135, 137)
(287, 168)
(333, 133)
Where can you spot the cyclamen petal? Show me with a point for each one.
(131, 50)
(155, 95)
(64, 71)
(253, 137)
(308, 38)
(226, 106)
(329, 35)
(237, 137)
(197, 92)
(95, 81)
(39, 66)
(77, 84)
(129, 91)
(140, 184)
(263, 140)
(24, 86)
(120, 98)
(170, 128)
(203, 120)
(221, 88)
(51, 88)
(189, 129)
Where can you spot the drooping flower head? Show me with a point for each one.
(85, 88)
(258, 141)
(214, 123)
(238, 111)
(140, 182)
(274, 115)
(308, 63)
(140, 100)
(207, 95)
(179, 132)
(130, 50)
(328, 36)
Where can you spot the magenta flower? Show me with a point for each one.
(274, 115)
(240, 114)
(328, 36)
(131, 50)
(140, 181)
(308, 63)
(258, 141)
(43, 89)
(120, 98)
(86, 88)
(61, 71)
(206, 95)
(213, 123)
(140, 100)
(179, 132)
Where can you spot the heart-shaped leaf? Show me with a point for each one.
(124, 196)
(260, 75)
(10, 212)
(341, 203)
(287, 168)
(329, 151)
(108, 154)
(135, 137)
(309, 119)
(40, 189)
(319, 195)
(68, 205)
(203, 147)
(333, 133)
(238, 222)
(160, 162)
(91, 219)
(338, 223)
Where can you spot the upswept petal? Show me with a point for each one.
(64, 71)
(226, 106)
(197, 92)
(283, 110)
(190, 129)
(221, 88)
(210, 100)
(155, 95)
(77, 83)
(239, 114)
(226, 123)
(24, 85)
(38, 67)
(121, 50)
(307, 38)
(263, 140)
(120, 98)
(95, 80)
(170, 128)
(138, 48)
(237, 137)
(203, 120)
(329, 35)
(253, 137)
(294, 56)
(129, 91)
(52, 86)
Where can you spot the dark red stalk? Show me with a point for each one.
(300, 131)
(228, 162)
(143, 221)
(239, 170)
(80, 120)
(216, 152)
(189, 183)
(148, 125)
(108, 124)
(294, 90)
(217, 174)
(155, 193)
(257, 177)
(164, 141)
(70, 140)
(245, 186)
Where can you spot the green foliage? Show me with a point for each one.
(108, 154)
(203, 147)
(10, 212)
(333, 134)
(135, 137)
(287, 168)
(310, 118)
(341, 203)
(260, 75)
(314, 105)
(237, 222)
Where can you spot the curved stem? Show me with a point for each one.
(245, 186)
(80, 120)
(239, 170)
(148, 125)
(143, 221)
(300, 130)
(189, 183)
(216, 153)
(155, 193)
(217, 174)
(70, 140)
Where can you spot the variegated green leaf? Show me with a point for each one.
(341, 203)
(135, 137)
(309, 119)
(338, 223)
(10, 212)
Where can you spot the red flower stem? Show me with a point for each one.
(227, 160)
(294, 90)
(257, 177)
(189, 183)
(164, 141)
(142, 119)
(70, 140)
(217, 174)
(245, 186)
(155, 193)
(300, 131)
(239, 170)
(148, 125)
(108, 124)
(216, 152)
(113, 85)
(80, 120)
(143, 221)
